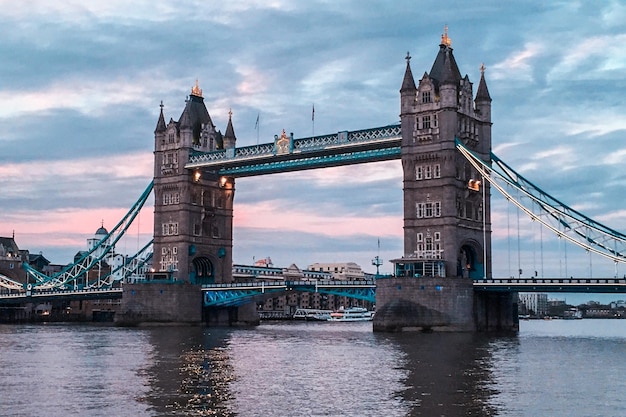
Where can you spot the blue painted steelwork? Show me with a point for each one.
(561, 219)
(312, 162)
(10, 284)
(343, 148)
(125, 271)
(67, 278)
(236, 294)
(229, 295)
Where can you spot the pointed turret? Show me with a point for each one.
(229, 135)
(408, 91)
(483, 99)
(483, 93)
(160, 127)
(408, 83)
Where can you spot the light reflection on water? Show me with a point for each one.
(312, 369)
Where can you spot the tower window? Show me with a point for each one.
(426, 97)
(426, 122)
(419, 172)
(429, 209)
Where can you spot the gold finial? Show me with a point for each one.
(196, 90)
(482, 69)
(445, 40)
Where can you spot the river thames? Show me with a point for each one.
(551, 368)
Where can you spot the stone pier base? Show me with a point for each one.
(442, 304)
(245, 315)
(496, 311)
(424, 304)
(154, 303)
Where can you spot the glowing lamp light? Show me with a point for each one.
(223, 181)
(473, 185)
(196, 175)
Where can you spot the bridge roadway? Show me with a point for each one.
(49, 295)
(577, 285)
(239, 293)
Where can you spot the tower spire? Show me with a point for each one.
(408, 82)
(445, 39)
(196, 90)
(483, 92)
(160, 127)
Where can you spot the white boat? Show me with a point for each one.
(352, 314)
(312, 314)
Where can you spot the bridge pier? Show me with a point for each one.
(496, 311)
(442, 304)
(154, 303)
(424, 304)
(245, 315)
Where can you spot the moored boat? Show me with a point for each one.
(312, 314)
(352, 314)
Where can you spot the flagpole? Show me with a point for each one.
(257, 127)
(313, 120)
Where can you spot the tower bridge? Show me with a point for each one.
(442, 280)
(447, 229)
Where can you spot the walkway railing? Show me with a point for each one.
(288, 154)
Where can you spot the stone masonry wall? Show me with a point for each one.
(424, 304)
(174, 303)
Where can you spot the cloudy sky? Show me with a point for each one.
(81, 83)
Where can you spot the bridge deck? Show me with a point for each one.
(579, 285)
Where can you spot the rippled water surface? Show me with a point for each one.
(552, 368)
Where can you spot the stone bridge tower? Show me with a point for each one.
(447, 222)
(193, 210)
(193, 227)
